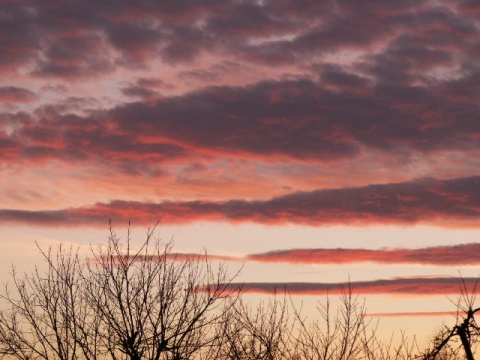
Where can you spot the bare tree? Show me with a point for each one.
(340, 335)
(277, 329)
(152, 306)
(464, 335)
(47, 311)
(119, 303)
(399, 347)
(257, 333)
(127, 303)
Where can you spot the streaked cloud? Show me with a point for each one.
(399, 286)
(455, 255)
(453, 202)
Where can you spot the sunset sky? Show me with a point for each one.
(315, 142)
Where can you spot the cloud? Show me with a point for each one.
(306, 121)
(16, 95)
(146, 88)
(398, 286)
(138, 91)
(453, 202)
(74, 56)
(396, 82)
(276, 33)
(455, 255)
(68, 136)
(407, 81)
(178, 257)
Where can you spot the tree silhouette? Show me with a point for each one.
(263, 332)
(119, 303)
(46, 311)
(464, 334)
(129, 303)
(340, 336)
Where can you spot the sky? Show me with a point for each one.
(311, 142)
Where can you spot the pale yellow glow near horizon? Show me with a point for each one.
(239, 240)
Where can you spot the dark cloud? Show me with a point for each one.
(398, 286)
(138, 41)
(406, 61)
(339, 78)
(16, 95)
(413, 87)
(251, 19)
(153, 83)
(70, 137)
(139, 92)
(145, 88)
(8, 147)
(53, 33)
(185, 44)
(441, 202)
(66, 106)
(235, 120)
(305, 120)
(74, 56)
(19, 38)
(202, 75)
(277, 120)
(456, 255)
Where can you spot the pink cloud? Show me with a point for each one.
(16, 95)
(398, 286)
(454, 255)
(453, 202)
